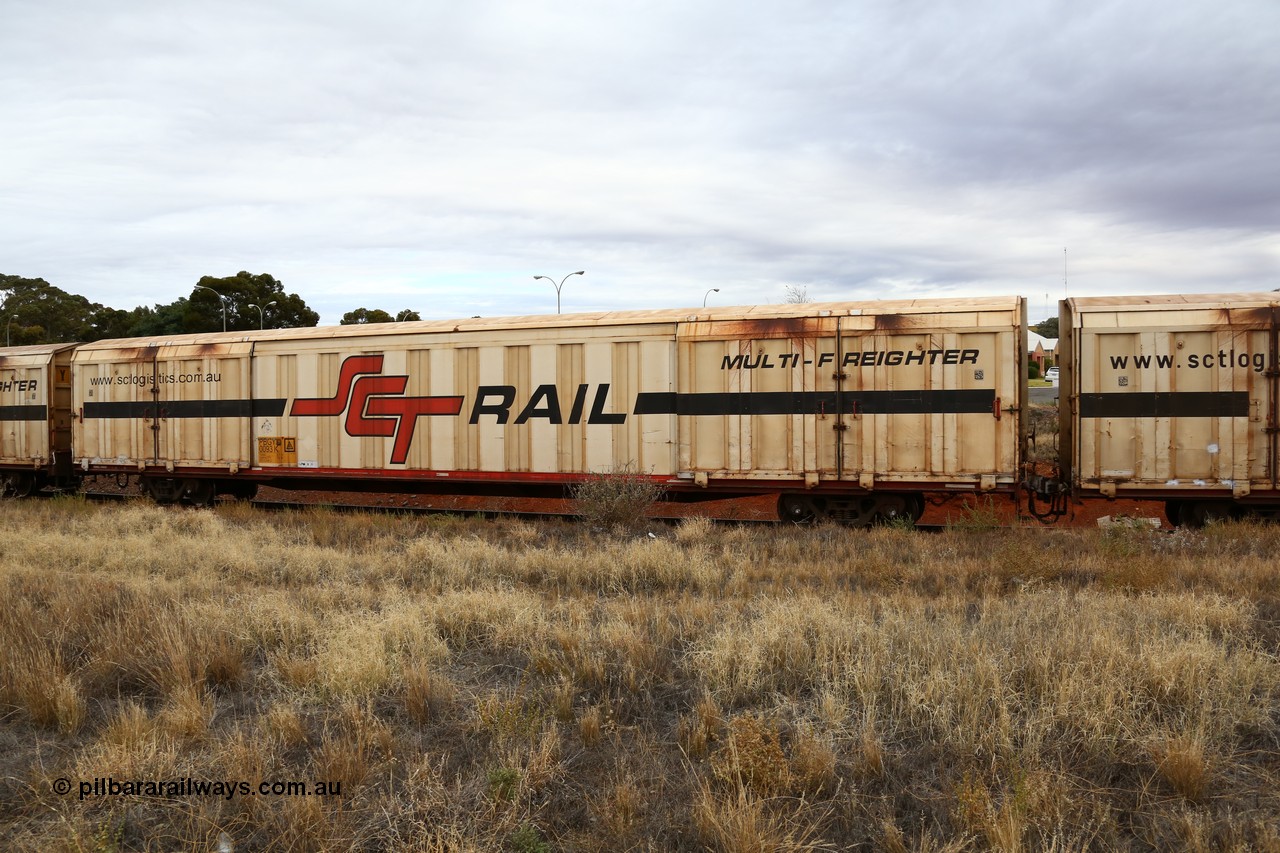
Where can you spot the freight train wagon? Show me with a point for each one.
(35, 417)
(847, 410)
(1173, 398)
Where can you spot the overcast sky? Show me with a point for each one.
(438, 155)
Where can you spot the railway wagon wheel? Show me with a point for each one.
(191, 491)
(801, 509)
(196, 492)
(899, 509)
(17, 484)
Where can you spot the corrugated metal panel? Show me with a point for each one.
(184, 404)
(533, 401)
(34, 404)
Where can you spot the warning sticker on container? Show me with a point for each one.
(277, 450)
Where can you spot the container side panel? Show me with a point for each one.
(657, 376)
(466, 375)
(491, 428)
(445, 433)
(571, 377)
(628, 452)
(546, 409)
(770, 435)
(516, 437)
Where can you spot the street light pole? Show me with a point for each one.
(560, 285)
(708, 293)
(262, 323)
(6, 328)
(221, 299)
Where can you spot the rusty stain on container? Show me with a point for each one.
(133, 354)
(896, 322)
(771, 328)
(1251, 318)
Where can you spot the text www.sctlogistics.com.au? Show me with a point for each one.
(1255, 361)
(188, 787)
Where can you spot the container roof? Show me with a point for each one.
(1192, 300)
(604, 318)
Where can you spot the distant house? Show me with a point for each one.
(1042, 350)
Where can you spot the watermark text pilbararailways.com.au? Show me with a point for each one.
(188, 787)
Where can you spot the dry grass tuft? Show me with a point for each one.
(428, 694)
(739, 822)
(1183, 763)
(751, 757)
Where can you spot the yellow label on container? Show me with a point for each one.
(277, 450)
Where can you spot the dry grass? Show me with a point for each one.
(483, 685)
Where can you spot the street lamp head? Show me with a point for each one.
(221, 299)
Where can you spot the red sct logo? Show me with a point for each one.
(375, 404)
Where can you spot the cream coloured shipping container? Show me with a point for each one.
(847, 408)
(35, 416)
(176, 409)
(1172, 397)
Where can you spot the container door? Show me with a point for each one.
(1174, 407)
(755, 398)
(204, 406)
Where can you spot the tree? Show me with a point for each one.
(168, 319)
(1046, 328)
(36, 312)
(203, 313)
(797, 294)
(361, 316)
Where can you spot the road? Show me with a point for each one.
(1043, 396)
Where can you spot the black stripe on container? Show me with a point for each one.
(817, 402)
(186, 409)
(24, 413)
(1166, 404)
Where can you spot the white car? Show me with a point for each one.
(1052, 375)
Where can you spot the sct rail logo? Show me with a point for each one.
(375, 404)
